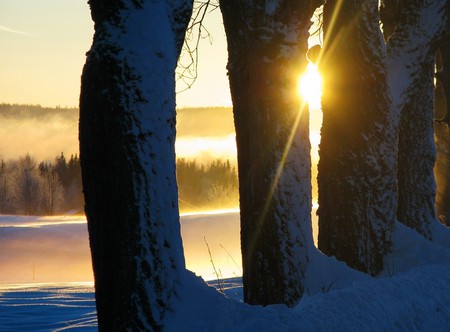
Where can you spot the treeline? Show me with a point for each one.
(29, 188)
(210, 186)
(20, 112)
(198, 121)
(48, 188)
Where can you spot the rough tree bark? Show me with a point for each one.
(411, 59)
(127, 132)
(267, 43)
(441, 128)
(357, 173)
(442, 172)
(444, 71)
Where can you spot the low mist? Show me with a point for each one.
(35, 251)
(203, 134)
(41, 132)
(38, 250)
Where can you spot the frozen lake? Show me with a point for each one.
(39, 256)
(46, 281)
(56, 249)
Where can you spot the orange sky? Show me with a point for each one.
(43, 51)
(43, 46)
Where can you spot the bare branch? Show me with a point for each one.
(187, 71)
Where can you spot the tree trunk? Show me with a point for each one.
(441, 129)
(357, 178)
(267, 44)
(442, 172)
(127, 133)
(411, 59)
(444, 72)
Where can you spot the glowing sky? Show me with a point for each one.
(43, 51)
(43, 47)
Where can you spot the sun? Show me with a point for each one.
(310, 86)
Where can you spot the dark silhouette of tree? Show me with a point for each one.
(267, 44)
(5, 191)
(73, 192)
(26, 186)
(60, 168)
(442, 172)
(190, 187)
(206, 186)
(442, 122)
(357, 179)
(359, 147)
(127, 152)
(52, 191)
(419, 26)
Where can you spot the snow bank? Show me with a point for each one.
(412, 294)
(414, 301)
(48, 307)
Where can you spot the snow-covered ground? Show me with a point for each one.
(412, 294)
(47, 307)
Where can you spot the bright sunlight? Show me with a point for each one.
(310, 86)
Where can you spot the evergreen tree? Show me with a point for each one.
(5, 192)
(190, 176)
(52, 191)
(26, 186)
(74, 192)
(200, 186)
(61, 169)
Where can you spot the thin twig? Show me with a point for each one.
(219, 282)
(196, 31)
(229, 255)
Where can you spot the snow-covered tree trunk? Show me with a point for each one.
(267, 43)
(411, 60)
(357, 167)
(444, 71)
(127, 133)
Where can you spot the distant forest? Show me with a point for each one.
(204, 121)
(207, 186)
(32, 187)
(19, 111)
(29, 188)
